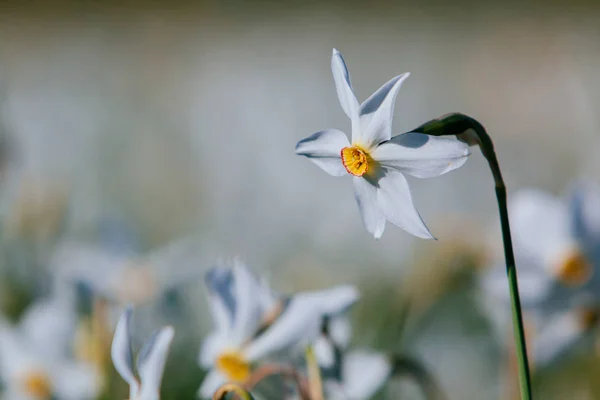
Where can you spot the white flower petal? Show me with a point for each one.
(557, 337)
(212, 381)
(219, 281)
(297, 327)
(324, 149)
(340, 330)
(540, 226)
(396, 204)
(366, 197)
(300, 323)
(324, 352)
(76, 381)
(332, 302)
(152, 360)
(535, 286)
(121, 352)
(248, 310)
(585, 211)
(376, 114)
(343, 86)
(48, 326)
(335, 390)
(212, 345)
(363, 373)
(420, 155)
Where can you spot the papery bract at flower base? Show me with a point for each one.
(376, 160)
(150, 361)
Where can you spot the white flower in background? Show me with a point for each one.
(557, 250)
(251, 323)
(376, 160)
(35, 356)
(150, 361)
(125, 278)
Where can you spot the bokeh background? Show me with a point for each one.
(131, 125)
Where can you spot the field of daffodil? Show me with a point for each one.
(225, 200)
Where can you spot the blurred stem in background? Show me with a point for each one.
(406, 366)
(470, 131)
(232, 391)
(314, 375)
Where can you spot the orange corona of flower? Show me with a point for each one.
(355, 160)
(574, 270)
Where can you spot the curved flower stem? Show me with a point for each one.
(286, 371)
(228, 388)
(470, 131)
(314, 375)
(402, 365)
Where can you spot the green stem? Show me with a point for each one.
(472, 132)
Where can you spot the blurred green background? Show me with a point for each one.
(180, 118)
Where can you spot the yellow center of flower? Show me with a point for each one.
(234, 366)
(574, 270)
(355, 160)
(37, 385)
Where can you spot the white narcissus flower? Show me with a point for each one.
(557, 250)
(35, 356)
(252, 323)
(151, 359)
(376, 160)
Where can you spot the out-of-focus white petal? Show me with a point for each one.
(420, 155)
(152, 360)
(48, 326)
(557, 337)
(340, 330)
(300, 323)
(343, 86)
(376, 114)
(212, 345)
(269, 299)
(324, 149)
(396, 204)
(76, 381)
(15, 356)
(366, 197)
(92, 265)
(324, 352)
(585, 211)
(212, 381)
(121, 352)
(335, 390)
(297, 327)
(332, 302)
(219, 281)
(363, 373)
(248, 311)
(535, 286)
(540, 226)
